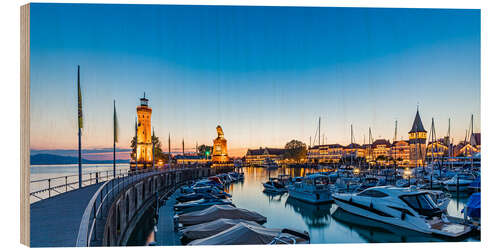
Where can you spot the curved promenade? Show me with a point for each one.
(55, 222)
(103, 213)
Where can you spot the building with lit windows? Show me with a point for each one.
(192, 159)
(467, 149)
(417, 140)
(381, 147)
(257, 157)
(436, 149)
(330, 153)
(400, 152)
(354, 150)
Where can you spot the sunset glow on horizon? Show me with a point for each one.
(265, 74)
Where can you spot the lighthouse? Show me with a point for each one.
(144, 144)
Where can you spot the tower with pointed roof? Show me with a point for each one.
(418, 138)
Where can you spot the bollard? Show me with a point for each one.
(49, 188)
(66, 178)
(96, 177)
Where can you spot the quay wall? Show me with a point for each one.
(131, 204)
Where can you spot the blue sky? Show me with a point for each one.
(264, 73)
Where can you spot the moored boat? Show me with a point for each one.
(404, 207)
(273, 185)
(459, 182)
(217, 212)
(313, 189)
(201, 204)
(247, 234)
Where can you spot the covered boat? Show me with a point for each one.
(208, 229)
(201, 204)
(472, 210)
(217, 212)
(247, 234)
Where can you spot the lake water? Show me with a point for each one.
(39, 175)
(324, 223)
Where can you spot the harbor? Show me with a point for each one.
(253, 128)
(325, 223)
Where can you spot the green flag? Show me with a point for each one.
(115, 123)
(80, 113)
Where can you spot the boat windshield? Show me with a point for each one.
(422, 203)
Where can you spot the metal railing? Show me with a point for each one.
(98, 207)
(50, 187)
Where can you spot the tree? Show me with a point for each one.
(157, 145)
(380, 159)
(295, 150)
(204, 150)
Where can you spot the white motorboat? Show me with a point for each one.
(269, 163)
(345, 185)
(274, 186)
(459, 182)
(406, 182)
(313, 189)
(404, 207)
(441, 199)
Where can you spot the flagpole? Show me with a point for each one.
(114, 139)
(153, 148)
(79, 132)
(136, 146)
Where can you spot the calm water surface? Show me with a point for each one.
(40, 173)
(324, 223)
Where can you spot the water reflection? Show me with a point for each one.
(325, 223)
(373, 231)
(274, 197)
(315, 216)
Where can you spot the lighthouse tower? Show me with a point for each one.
(418, 138)
(144, 144)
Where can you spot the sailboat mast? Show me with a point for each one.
(370, 142)
(319, 131)
(395, 131)
(352, 146)
(471, 134)
(169, 152)
(433, 138)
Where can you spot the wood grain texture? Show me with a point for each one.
(25, 124)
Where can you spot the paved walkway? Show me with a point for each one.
(167, 235)
(54, 222)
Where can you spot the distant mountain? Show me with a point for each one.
(51, 159)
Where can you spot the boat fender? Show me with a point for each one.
(371, 205)
(350, 199)
(403, 215)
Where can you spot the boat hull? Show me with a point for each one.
(452, 230)
(311, 197)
